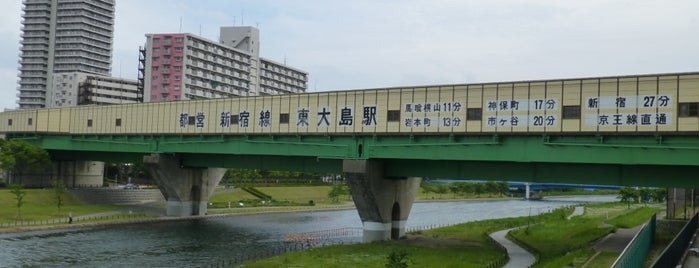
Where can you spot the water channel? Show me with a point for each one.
(200, 242)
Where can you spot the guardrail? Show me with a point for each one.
(672, 255)
(66, 220)
(636, 251)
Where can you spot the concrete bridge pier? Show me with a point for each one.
(186, 190)
(383, 203)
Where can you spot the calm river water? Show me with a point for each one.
(196, 243)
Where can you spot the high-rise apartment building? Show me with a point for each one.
(62, 36)
(182, 66)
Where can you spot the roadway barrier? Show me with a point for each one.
(636, 251)
(672, 255)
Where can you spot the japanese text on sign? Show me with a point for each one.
(643, 101)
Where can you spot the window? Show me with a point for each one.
(29, 121)
(283, 118)
(234, 119)
(475, 114)
(688, 109)
(393, 116)
(89, 122)
(178, 59)
(177, 78)
(178, 39)
(118, 122)
(178, 49)
(156, 40)
(9, 122)
(571, 112)
(191, 120)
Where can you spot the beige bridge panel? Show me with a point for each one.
(644, 103)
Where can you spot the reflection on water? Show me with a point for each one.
(205, 241)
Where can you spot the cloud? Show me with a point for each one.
(382, 43)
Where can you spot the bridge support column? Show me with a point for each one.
(186, 190)
(383, 204)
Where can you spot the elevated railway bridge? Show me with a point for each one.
(638, 130)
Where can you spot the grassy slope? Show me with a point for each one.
(563, 242)
(39, 204)
(294, 194)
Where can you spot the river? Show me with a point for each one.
(200, 242)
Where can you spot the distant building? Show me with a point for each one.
(62, 36)
(183, 66)
(71, 89)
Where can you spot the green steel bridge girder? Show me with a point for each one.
(615, 159)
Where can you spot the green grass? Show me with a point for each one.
(604, 259)
(633, 218)
(301, 194)
(40, 205)
(230, 195)
(552, 239)
(479, 252)
(572, 259)
(375, 255)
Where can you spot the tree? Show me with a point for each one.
(478, 189)
(441, 189)
(627, 194)
(21, 156)
(18, 191)
(427, 189)
(454, 188)
(503, 187)
(659, 194)
(466, 188)
(58, 189)
(491, 187)
(645, 194)
(337, 191)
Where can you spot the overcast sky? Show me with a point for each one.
(380, 43)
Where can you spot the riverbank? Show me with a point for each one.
(540, 233)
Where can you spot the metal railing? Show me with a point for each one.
(636, 251)
(672, 255)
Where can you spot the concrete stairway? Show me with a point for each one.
(118, 196)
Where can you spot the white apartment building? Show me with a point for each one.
(71, 89)
(182, 66)
(62, 36)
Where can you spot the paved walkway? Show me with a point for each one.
(692, 258)
(577, 212)
(617, 241)
(519, 257)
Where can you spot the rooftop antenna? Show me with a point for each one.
(242, 17)
(233, 20)
(199, 29)
(180, 24)
(284, 59)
